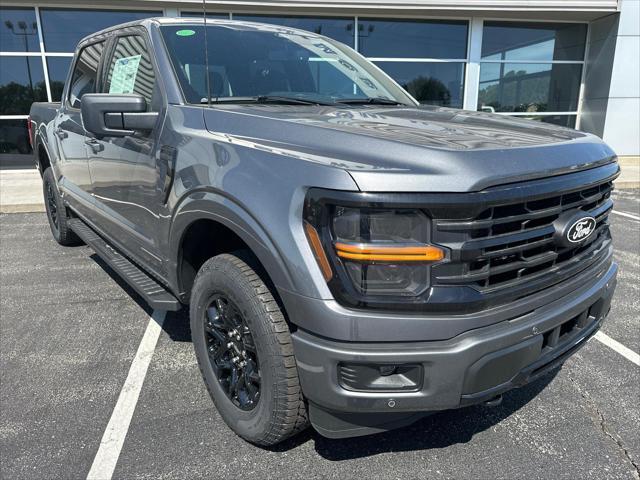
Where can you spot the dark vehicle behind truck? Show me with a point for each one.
(349, 257)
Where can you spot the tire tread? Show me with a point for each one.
(290, 415)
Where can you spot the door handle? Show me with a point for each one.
(61, 134)
(94, 144)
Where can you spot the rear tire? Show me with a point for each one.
(262, 401)
(57, 212)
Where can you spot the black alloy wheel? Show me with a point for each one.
(52, 207)
(57, 213)
(244, 349)
(232, 352)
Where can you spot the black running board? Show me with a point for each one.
(154, 294)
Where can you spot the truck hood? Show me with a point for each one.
(404, 149)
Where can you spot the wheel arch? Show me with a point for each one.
(207, 224)
(41, 151)
(42, 158)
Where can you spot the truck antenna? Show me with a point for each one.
(206, 52)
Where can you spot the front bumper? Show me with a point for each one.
(469, 368)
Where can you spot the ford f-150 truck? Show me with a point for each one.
(349, 257)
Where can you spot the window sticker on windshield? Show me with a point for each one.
(124, 74)
(185, 33)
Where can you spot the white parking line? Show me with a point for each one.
(105, 460)
(618, 347)
(625, 214)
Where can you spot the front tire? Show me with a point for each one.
(57, 212)
(244, 351)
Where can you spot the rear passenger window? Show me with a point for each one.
(130, 69)
(85, 73)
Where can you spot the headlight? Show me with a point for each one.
(368, 253)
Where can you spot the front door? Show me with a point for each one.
(69, 132)
(123, 169)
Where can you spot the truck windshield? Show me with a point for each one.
(267, 64)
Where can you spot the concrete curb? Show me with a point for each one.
(627, 185)
(23, 208)
(629, 178)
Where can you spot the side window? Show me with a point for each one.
(131, 70)
(85, 73)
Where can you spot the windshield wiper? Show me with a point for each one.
(278, 99)
(369, 101)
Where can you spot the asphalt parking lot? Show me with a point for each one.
(70, 330)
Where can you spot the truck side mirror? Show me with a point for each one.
(107, 115)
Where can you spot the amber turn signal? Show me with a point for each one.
(368, 252)
(318, 251)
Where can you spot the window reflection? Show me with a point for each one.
(58, 67)
(537, 87)
(135, 70)
(64, 28)
(15, 149)
(429, 83)
(412, 39)
(18, 30)
(533, 41)
(85, 72)
(21, 84)
(340, 29)
(561, 120)
(273, 62)
(213, 16)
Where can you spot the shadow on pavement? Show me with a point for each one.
(436, 431)
(176, 324)
(439, 430)
(122, 283)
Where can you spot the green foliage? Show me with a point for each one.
(517, 91)
(16, 99)
(429, 90)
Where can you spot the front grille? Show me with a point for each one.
(509, 246)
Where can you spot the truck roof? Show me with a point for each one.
(191, 21)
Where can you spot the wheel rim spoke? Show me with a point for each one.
(51, 203)
(213, 326)
(232, 352)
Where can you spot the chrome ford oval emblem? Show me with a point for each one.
(581, 229)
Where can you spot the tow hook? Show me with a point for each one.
(494, 402)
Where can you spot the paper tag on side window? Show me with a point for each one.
(124, 74)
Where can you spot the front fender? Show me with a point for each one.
(208, 205)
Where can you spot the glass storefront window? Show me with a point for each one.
(412, 39)
(524, 87)
(62, 28)
(214, 16)
(533, 41)
(15, 149)
(429, 83)
(340, 29)
(21, 84)
(18, 30)
(58, 67)
(562, 120)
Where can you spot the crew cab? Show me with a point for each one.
(349, 257)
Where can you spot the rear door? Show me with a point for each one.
(68, 130)
(123, 170)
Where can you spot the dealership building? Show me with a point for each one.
(573, 63)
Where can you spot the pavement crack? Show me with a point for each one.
(605, 429)
(623, 449)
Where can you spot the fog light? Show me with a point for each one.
(386, 370)
(372, 377)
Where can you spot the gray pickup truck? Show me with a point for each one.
(349, 257)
